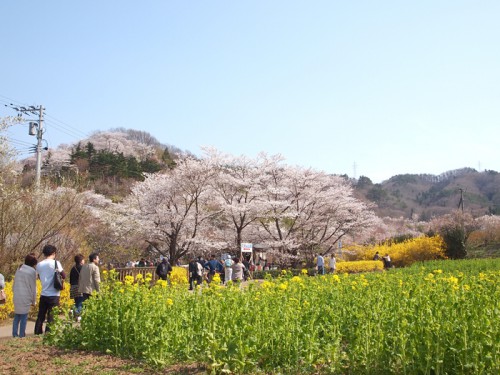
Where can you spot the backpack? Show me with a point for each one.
(162, 270)
(228, 262)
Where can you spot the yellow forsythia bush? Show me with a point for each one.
(410, 251)
(360, 266)
(7, 310)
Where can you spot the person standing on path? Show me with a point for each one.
(321, 265)
(74, 278)
(24, 290)
(333, 263)
(90, 277)
(50, 296)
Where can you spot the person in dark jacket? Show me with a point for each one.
(212, 266)
(164, 269)
(74, 277)
(195, 273)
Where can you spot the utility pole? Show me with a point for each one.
(461, 203)
(35, 128)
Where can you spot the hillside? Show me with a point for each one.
(424, 196)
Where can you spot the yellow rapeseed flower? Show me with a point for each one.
(266, 284)
(297, 279)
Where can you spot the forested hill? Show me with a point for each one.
(423, 196)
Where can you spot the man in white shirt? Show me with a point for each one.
(49, 297)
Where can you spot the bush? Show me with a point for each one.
(407, 252)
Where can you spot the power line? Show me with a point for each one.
(56, 123)
(61, 124)
(19, 142)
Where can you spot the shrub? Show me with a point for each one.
(407, 252)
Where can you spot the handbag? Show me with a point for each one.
(3, 297)
(73, 289)
(58, 279)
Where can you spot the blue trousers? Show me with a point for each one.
(19, 325)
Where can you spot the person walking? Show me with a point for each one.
(24, 290)
(387, 261)
(238, 270)
(228, 270)
(333, 263)
(49, 296)
(74, 278)
(90, 277)
(164, 269)
(320, 263)
(211, 266)
(195, 273)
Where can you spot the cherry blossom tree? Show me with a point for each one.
(175, 209)
(308, 211)
(216, 202)
(238, 190)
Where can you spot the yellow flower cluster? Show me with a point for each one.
(7, 309)
(407, 252)
(360, 266)
(179, 275)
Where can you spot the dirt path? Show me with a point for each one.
(30, 356)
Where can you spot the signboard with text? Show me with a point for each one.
(246, 247)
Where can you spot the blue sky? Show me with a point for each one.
(373, 88)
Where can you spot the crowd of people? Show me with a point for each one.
(228, 269)
(84, 280)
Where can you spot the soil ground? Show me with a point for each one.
(30, 356)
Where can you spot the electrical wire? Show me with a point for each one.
(50, 121)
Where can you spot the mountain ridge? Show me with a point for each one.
(422, 196)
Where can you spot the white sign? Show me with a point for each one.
(246, 247)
